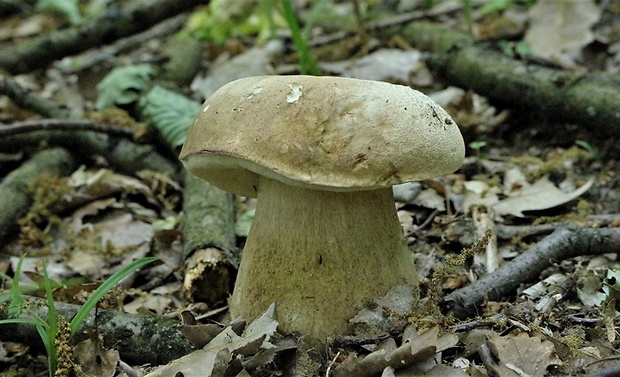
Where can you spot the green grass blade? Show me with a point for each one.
(306, 60)
(27, 321)
(52, 315)
(48, 332)
(17, 301)
(50, 347)
(110, 282)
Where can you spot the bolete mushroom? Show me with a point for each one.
(321, 155)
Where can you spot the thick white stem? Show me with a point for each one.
(319, 255)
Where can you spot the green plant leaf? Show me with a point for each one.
(222, 20)
(307, 63)
(17, 301)
(170, 113)
(27, 321)
(477, 145)
(67, 8)
(123, 85)
(48, 330)
(104, 288)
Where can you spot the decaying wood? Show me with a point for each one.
(127, 156)
(595, 221)
(139, 339)
(15, 199)
(592, 100)
(563, 243)
(379, 25)
(209, 246)
(9, 7)
(28, 126)
(135, 17)
(28, 99)
(93, 57)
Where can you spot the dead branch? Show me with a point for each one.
(209, 241)
(30, 100)
(376, 26)
(611, 371)
(139, 339)
(563, 243)
(512, 231)
(63, 125)
(15, 200)
(593, 100)
(93, 57)
(126, 156)
(9, 7)
(136, 17)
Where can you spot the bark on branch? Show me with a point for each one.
(136, 17)
(209, 247)
(564, 243)
(126, 156)
(14, 194)
(30, 100)
(592, 100)
(139, 339)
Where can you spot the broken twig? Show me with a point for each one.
(64, 125)
(564, 243)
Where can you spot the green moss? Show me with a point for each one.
(46, 192)
(451, 265)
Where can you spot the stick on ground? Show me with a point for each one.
(135, 17)
(592, 100)
(209, 247)
(15, 199)
(564, 243)
(139, 339)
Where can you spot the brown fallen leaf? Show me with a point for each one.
(540, 195)
(219, 356)
(94, 359)
(417, 347)
(521, 355)
(560, 29)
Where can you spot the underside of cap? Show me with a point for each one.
(326, 133)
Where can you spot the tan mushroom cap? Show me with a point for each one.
(324, 133)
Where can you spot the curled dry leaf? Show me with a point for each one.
(387, 64)
(521, 355)
(197, 333)
(560, 29)
(385, 310)
(417, 347)
(540, 195)
(220, 355)
(94, 359)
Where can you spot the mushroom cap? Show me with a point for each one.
(323, 133)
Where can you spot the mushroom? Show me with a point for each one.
(321, 155)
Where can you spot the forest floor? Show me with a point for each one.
(516, 252)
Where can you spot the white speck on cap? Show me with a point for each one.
(294, 94)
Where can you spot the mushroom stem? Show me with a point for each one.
(319, 255)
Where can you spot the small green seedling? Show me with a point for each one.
(467, 13)
(48, 329)
(518, 50)
(592, 150)
(477, 146)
